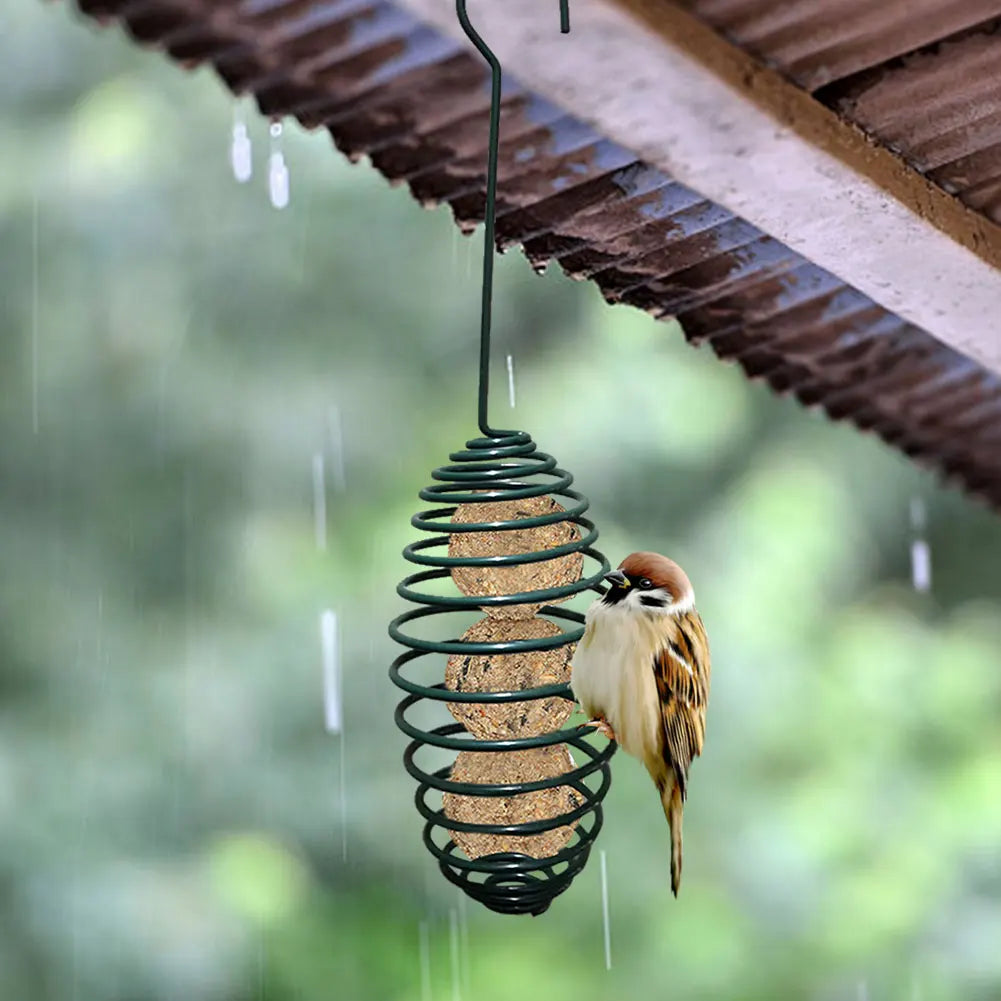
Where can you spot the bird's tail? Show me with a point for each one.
(670, 797)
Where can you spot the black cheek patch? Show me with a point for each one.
(652, 602)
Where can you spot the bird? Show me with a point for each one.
(641, 674)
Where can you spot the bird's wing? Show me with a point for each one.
(682, 672)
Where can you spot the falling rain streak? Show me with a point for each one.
(320, 502)
(343, 799)
(330, 645)
(920, 550)
(260, 965)
(333, 710)
(510, 380)
(337, 450)
(469, 254)
(34, 314)
(453, 952)
(464, 940)
(424, 946)
(604, 911)
(278, 183)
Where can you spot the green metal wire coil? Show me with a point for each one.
(502, 466)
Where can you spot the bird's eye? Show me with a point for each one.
(644, 583)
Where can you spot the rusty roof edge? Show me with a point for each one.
(822, 127)
(715, 119)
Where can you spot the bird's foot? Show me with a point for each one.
(602, 726)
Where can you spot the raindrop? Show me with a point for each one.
(343, 799)
(424, 940)
(453, 950)
(921, 565)
(34, 314)
(75, 937)
(604, 911)
(100, 624)
(464, 941)
(333, 706)
(189, 644)
(261, 964)
(319, 502)
(330, 645)
(337, 447)
(278, 186)
(920, 550)
(240, 151)
(469, 258)
(510, 380)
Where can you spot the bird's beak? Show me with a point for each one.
(617, 579)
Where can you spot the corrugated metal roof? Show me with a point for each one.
(416, 103)
(921, 76)
(817, 41)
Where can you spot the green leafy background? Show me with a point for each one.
(174, 826)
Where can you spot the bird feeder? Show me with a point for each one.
(513, 812)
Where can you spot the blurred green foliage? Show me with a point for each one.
(175, 353)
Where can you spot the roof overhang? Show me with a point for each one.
(652, 77)
(645, 153)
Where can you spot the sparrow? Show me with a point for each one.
(641, 675)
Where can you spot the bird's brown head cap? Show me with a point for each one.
(660, 571)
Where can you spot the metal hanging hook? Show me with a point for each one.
(486, 309)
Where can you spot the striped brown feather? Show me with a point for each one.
(684, 694)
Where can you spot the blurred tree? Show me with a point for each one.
(176, 354)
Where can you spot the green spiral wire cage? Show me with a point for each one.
(501, 465)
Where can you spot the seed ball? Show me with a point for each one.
(510, 672)
(487, 767)
(502, 580)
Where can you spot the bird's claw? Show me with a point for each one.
(602, 726)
